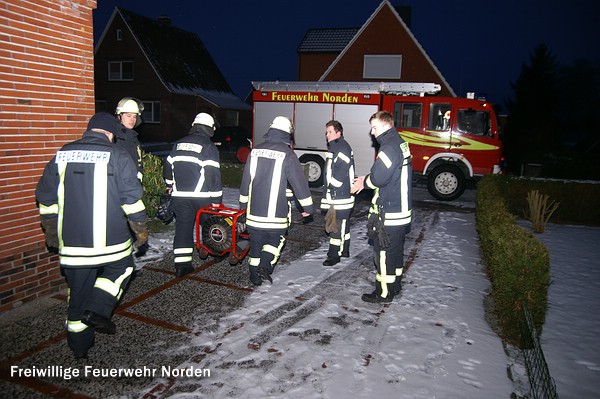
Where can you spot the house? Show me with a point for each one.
(46, 100)
(383, 49)
(169, 70)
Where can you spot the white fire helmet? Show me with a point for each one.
(282, 123)
(130, 105)
(204, 119)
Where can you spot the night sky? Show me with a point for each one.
(478, 46)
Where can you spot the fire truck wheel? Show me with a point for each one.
(446, 182)
(315, 167)
(216, 234)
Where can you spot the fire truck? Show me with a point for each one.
(451, 139)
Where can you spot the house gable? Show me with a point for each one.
(385, 33)
(173, 71)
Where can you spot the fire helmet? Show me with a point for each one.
(131, 105)
(282, 123)
(204, 119)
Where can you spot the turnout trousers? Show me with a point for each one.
(339, 243)
(265, 249)
(185, 210)
(389, 262)
(97, 289)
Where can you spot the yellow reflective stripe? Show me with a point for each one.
(106, 250)
(335, 241)
(60, 192)
(335, 182)
(385, 159)
(277, 169)
(113, 288)
(190, 159)
(133, 208)
(243, 199)
(369, 184)
(100, 199)
(183, 259)
(253, 261)
(305, 201)
(264, 219)
(343, 157)
(49, 210)
(270, 249)
(94, 260)
(398, 272)
(75, 326)
(267, 225)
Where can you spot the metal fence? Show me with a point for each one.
(541, 383)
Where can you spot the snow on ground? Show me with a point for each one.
(572, 328)
(309, 335)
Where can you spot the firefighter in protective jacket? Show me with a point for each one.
(271, 166)
(337, 199)
(193, 176)
(88, 195)
(390, 214)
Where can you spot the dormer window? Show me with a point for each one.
(119, 35)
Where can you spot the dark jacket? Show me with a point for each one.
(339, 176)
(193, 168)
(391, 178)
(271, 166)
(128, 139)
(90, 187)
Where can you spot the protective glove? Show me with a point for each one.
(376, 230)
(382, 236)
(164, 211)
(331, 224)
(141, 232)
(50, 227)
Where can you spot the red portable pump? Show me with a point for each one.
(223, 232)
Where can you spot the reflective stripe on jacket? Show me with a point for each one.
(90, 187)
(271, 166)
(391, 178)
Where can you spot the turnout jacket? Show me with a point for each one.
(271, 166)
(339, 176)
(90, 188)
(193, 168)
(391, 178)
(128, 139)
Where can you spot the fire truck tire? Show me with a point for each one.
(446, 182)
(315, 167)
(217, 234)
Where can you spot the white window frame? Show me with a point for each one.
(382, 66)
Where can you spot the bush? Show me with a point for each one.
(518, 265)
(153, 183)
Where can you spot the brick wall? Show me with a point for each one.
(46, 99)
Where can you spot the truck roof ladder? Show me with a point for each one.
(398, 88)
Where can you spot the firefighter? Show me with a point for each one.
(337, 199)
(271, 166)
(390, 214)
(88, 195)
(193, 177)
(129, 113)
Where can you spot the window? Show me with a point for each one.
(119, 35)
(474, 122)
(232, 118)
(382, 66)
(439, 116)
(151, 112)
(120, 70)
(408, 115)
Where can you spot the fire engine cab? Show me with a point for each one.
(451, 139)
